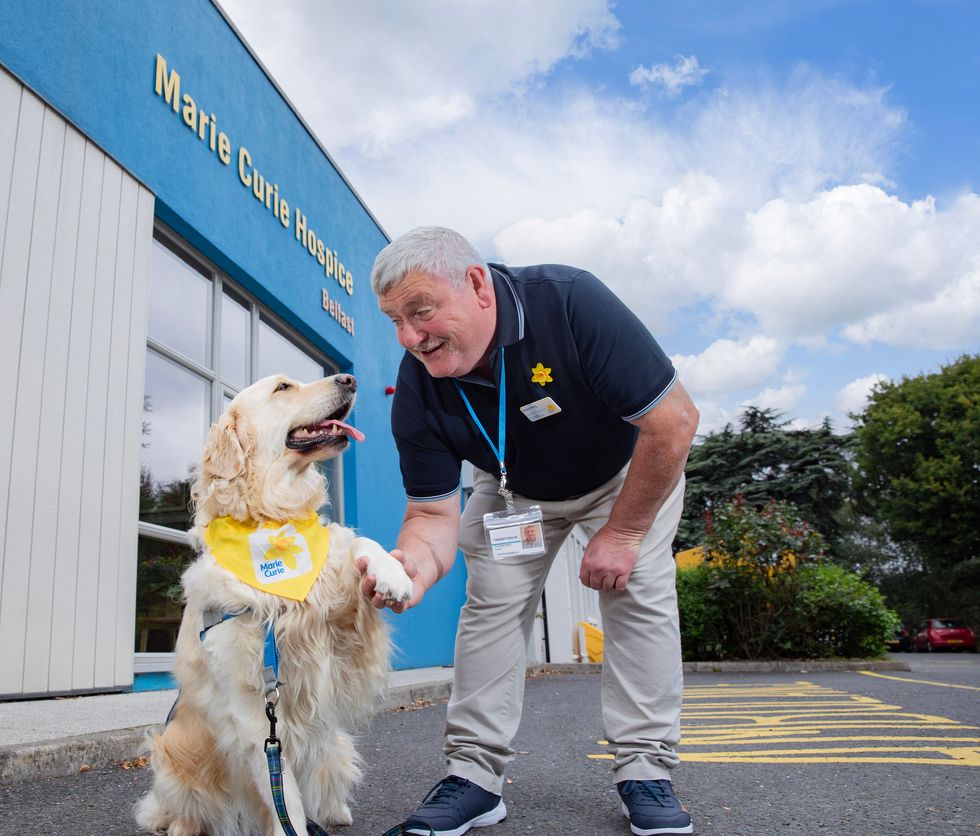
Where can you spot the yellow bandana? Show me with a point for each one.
(283, 558)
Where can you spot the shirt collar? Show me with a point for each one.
(510, 320)
(510, 311)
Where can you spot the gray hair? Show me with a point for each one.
(425, 249)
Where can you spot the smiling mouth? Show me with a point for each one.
(426, 353)
(330, 432)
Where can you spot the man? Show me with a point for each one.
(539, 375)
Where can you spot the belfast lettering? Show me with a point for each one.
(333, 307)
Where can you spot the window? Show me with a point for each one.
(206, 341)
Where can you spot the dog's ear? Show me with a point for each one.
(228, 446)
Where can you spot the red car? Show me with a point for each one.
(944, 634)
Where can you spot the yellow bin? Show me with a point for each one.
(593, 641)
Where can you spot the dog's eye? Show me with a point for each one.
(282, 387)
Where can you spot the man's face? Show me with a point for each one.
(447, 329)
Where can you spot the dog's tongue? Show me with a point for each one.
(353, 432)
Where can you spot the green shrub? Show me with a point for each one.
(701, 637)
(839, 614)
(764, 591)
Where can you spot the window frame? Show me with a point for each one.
(258, 313)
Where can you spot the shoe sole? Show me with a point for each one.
(656, 831)
(494, 816)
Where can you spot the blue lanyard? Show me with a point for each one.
(498, 448)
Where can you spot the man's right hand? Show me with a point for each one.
(368, 583)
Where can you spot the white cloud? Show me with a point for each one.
(728, 366)
(854, 396)
(948, 320)
(671, 79)
(855, 254)
(839, 256)
(657, 256)
(374, 73)
(780, 399)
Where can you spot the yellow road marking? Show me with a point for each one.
(781, 704)
(724, 757)
(726, 716)
(920, 681)
(790, 716)
(724, 741)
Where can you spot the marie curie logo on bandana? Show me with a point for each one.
(280, 554)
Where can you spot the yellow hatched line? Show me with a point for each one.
(788, 710)
(920, 681)
(801, 713)
(763, 692)
(782, 704)
(742, 741)
(788, 717)
(722, 757)
(840, 724)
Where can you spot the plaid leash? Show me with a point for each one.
(273, 753)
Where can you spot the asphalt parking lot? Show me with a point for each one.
(834, 753)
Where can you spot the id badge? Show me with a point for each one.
(515, 533)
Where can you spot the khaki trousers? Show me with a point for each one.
(642, 676)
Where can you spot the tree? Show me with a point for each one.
(918, 456)
(765, 460)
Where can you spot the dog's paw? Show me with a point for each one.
(392, 582)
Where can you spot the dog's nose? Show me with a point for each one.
(347, 380)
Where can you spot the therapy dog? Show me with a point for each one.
(270, 575)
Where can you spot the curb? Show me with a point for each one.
(69, 755)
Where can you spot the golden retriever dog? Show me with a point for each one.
(210, 772)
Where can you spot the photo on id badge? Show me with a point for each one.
(515, 533)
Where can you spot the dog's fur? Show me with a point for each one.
(210, 770)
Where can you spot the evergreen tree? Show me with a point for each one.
(766, 460)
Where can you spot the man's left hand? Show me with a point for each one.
(609, 559)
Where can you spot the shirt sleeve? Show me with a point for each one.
(430, 470)
(622, 361)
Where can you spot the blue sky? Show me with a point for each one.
(785, 192)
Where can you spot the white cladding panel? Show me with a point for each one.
(75, 236)
(567, 602)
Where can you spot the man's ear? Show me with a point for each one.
(482, 285)
(229, 443)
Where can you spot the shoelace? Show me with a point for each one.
(445, 793)
(654, 791)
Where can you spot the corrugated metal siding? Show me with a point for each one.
(568, 602)
(75, 235)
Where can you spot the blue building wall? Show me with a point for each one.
(99, 65)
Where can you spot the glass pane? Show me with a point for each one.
(180, 305)
(158, 608)
(235, 328)
(175, 421)
(277, 355)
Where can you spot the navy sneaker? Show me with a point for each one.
(652, 808)
(452, 807)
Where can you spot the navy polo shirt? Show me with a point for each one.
(606, 370)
